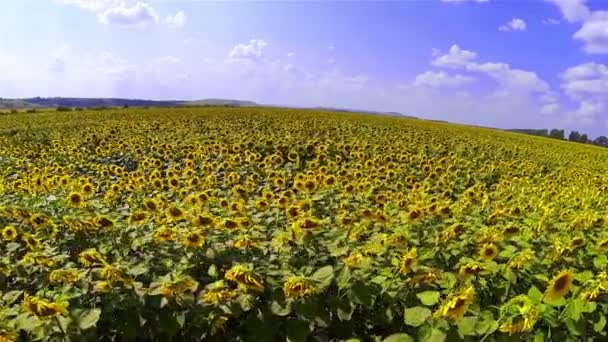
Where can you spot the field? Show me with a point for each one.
(263, 224)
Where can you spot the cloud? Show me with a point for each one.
(331, 48)
(139, 14)
(178, 20)
(550, 108)
(117, 12)
(441, 79)
(92, 5)
(550, 21)
(572, 10)
(455, 58)
(514, 24)
(165, 60)
(594, 30)
(588, 80)
(252, 50)
(291, 54)
(59, 59)
(515, 80)
(330, 61)
(594, 33)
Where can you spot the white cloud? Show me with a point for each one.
(330, 61)
(165, 60)
(550, 21)
(573, 10)
(455, 58)
(550, 108)
(515, 24)
(441, 79)
(585, 81)
(139, 14)
(178, 20)
(515, 80)
(92, 5)
(252, 50)
(588, 109)
(594, 33)
(59, 59)
(594, 30)
(118, 12)
(331, 48)
(291, 54)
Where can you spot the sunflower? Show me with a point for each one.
(151, 204)
(193, 239)
(204, 220)
(244, 277)
(174, 213)
(218, 294)
(42, 308)
(87, 189)
(488, 251)
(102, 287)
(65, 276)
(9, 233)
(164, 234)
(244, 242)
(408, 261)
(299, 287)
(31, 241)
(470, 269)
(91, 257)
(75, 199)
(138, 218)
(457, 305)
(230, 224)
(104, 222)
(114, 275)
(559, 285)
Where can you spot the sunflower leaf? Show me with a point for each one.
(428, 298)
(416, 316)
(400, 337)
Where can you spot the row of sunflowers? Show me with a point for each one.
(268, 224)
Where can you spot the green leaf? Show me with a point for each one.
(599, 325)
(575, 309)
(433, 335)
(297, 330)
(86, 318)
(246, 301)
(345, 311)
(400, 337)
(539, 337)
(428, 298)
(212, 272)
(180, 318)
(416, 316)
(363, 294)
(555, 302)
(466, 326)
(280, 310)
(535, 294)
(11, 296)
(324, 276)
(138, 270)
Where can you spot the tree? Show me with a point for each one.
(601, 141)
(557, 133)
(574, 136)
(584, 139)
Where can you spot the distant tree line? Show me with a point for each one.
(574, 136)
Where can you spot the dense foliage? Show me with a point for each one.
(271, 224)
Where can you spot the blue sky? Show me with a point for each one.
(498, 63)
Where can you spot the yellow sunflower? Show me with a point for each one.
(559, 285)
(193, 239)
(299, 287)
(9, 233)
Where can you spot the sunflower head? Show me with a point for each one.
(75, 199)
(299, 287)
(559, 285)
(9, 233)
(244, 276)
(193, 239)
(488, 251)
(164, 234)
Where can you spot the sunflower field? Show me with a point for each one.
(267, 224)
